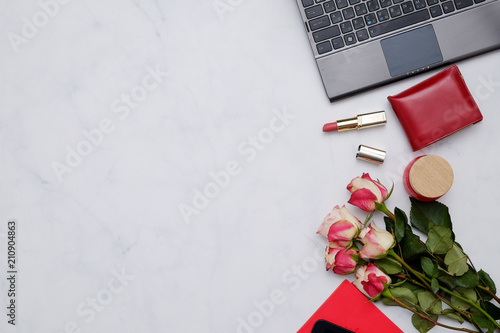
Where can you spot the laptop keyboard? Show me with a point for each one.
(335, 24)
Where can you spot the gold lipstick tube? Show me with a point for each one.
(362, 121)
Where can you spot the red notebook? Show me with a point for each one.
(347, 307)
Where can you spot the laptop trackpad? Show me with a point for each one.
(411, 50)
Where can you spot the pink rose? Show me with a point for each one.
(376, 242)
(366, 192)
(370, 280)
(340, 227)
(340, 261)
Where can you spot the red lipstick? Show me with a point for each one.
(330, 127)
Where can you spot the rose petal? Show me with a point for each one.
(372, 251)
(364, 199)
(342, 230)
(332, 217)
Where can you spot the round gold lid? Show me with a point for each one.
(431, 176)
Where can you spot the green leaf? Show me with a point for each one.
(486, 279)
(397, 284)
(411, 246)
(469, 294)
(400, 224)
(450, 313)
(413, 287)
(492, 310)
(449, 280)
(456, 261)
(405, 295)
(469, 280)
(429, 302)
(424, 215)
(484, 322)
(459, 304)
(439, 240)
(389, 225)
(389, 302)
(475, 311)
(390, 191)
(434, 285)
(488, 283)
(389, 265)
(421, 324)
(429, 267)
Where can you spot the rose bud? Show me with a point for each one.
(340, 260)
(370, 280)
(376, 242)
(340, 227)
(366, 192)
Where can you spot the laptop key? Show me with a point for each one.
(432, 2)
(327, 33)
(407, 7)
(329, 6)
(315, 11)
(346, 27)
(358, 23)
(399, 22)
(350, 39)
(336, 17)
(370, 19)
(324, 47)
(319, 23)
(419, 4)
(307, 3)
(385, 3)
(341, 3)
(362, 35)
(395, 11)
(459, 4)
(383, 15)
(360, 9)
(338, 43)
(373, 5)
(348, 13)
(448, 7)
(436, 11)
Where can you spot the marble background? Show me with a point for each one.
(165, 163)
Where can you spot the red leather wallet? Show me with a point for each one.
(435, 108)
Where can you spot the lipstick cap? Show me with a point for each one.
(372, 119)
(370, 154)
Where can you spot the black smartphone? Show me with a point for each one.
(323, 326)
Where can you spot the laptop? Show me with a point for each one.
(363, 44)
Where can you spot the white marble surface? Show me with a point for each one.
(114, 114)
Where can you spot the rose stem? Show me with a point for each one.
(426, 317)
(426, 281)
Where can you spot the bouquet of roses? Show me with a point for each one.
(430, 278)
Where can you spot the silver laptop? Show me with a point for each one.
(362, 44)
